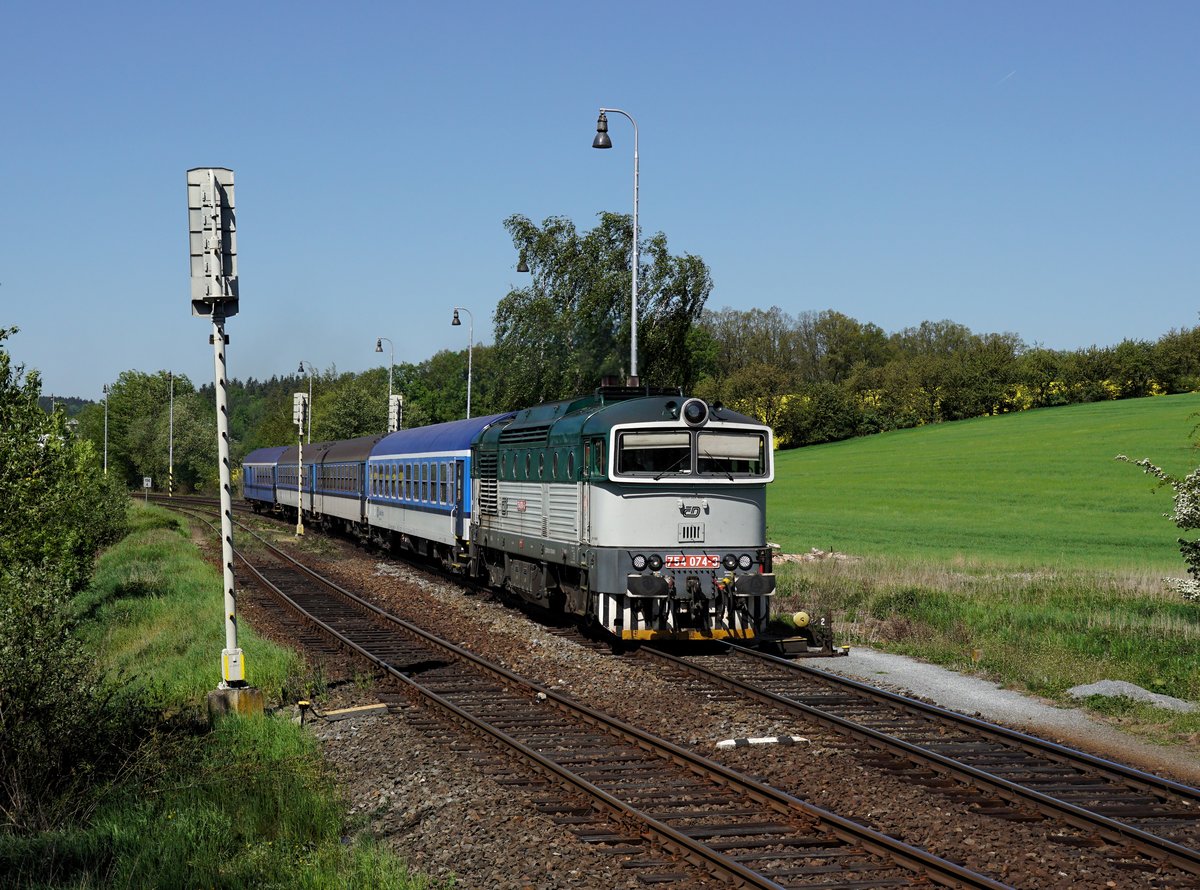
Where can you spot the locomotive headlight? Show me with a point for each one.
(729, 561)
(656, 562)
(639, 562)
(695, 412)
(744, 562)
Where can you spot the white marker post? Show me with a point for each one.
(299, 413)
(212, 235)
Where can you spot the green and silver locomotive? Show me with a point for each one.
(643, 513)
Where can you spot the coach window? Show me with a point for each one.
(443, 474)
(554, 467)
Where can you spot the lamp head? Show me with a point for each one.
(522, 266)
(379, 344)
(602, 140)
(455, 321)
(300, 370)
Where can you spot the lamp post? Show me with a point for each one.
(391, 364)
(602, 141)
(470, 347)
(300, 370)
(106, 429)
(171, 439)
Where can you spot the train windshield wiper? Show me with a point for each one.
(715, 466)
(673, 467)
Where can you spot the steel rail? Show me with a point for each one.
(1071, 756)
(1110, 829)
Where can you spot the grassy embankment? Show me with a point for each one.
(1015, 546)
(247, 805)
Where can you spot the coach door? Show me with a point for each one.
(460, 497)
(585, 497)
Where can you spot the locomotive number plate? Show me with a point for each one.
(691, 561)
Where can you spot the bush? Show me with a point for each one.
(1186, 516)
(64, 730)
(60, 731)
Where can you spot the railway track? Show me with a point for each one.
(1000, 772)
(1009, 774)
(706, 815)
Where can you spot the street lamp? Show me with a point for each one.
(602, 141)
(522, 266)
(300, 370)
(391, 364)
(106, 429)
(470, 346)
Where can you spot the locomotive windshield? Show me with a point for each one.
(655, 452)
(725, 454)
(731, 453)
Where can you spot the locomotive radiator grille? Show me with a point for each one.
(691, 533)
(489, 501)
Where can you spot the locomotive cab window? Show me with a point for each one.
(654, 452)
(731, 453)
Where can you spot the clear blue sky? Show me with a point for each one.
(1027, 166)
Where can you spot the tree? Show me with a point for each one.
(758, 390)
(1185, 515)
(571, 325)
(57, 509)
(353, 406)
(843, 342)
(820, 412)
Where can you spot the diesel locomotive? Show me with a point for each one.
(641, 512)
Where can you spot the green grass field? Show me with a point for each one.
(1028, 490)
(1013, 547)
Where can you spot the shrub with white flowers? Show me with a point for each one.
(1186, 516)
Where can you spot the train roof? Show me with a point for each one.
(652, 409)
(563, 423)
(264, 455)
(456, 435)
(350, 449)
(313, 452)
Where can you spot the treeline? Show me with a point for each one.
(821, 377)
(816, 377)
